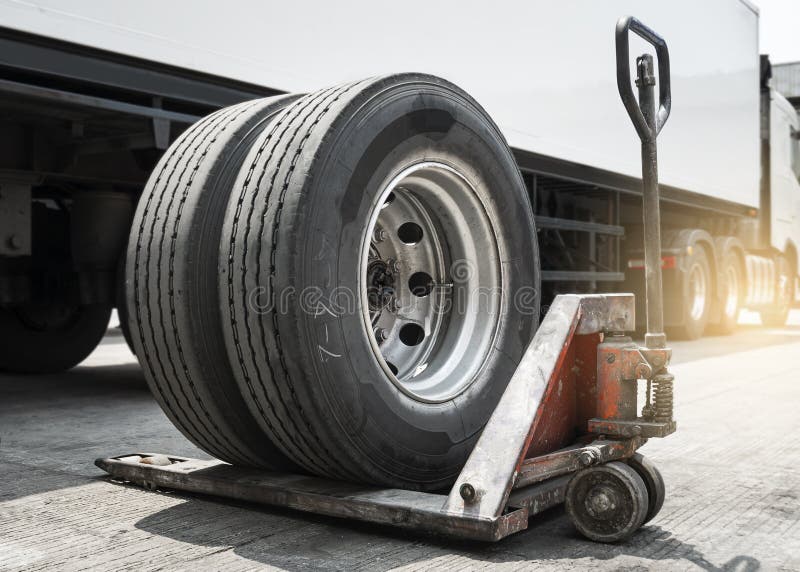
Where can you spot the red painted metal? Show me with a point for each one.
(569, 401)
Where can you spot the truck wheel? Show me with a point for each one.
(607, 503)
(697, 288)
(379, 279)
(49, 338)
(171, 286)
(733, 298)
(776, 316)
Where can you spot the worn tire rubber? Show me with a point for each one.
(27, 349)
(653, 480)
(692, 329)
(171, 285)
(296, 225)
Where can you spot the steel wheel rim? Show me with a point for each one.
(431, 284)
(697, 290)
(732, 300)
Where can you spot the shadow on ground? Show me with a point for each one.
(296, 541)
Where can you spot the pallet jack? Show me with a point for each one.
(567, 429)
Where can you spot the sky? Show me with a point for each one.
(780, 29)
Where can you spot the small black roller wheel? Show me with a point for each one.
(656, 490)
(607, 503)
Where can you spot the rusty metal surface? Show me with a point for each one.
(606, 313)
(491, 469)
(574, 459)
(395, 507)
(634, 428)
(540, 497)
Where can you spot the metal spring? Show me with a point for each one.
(662, 396)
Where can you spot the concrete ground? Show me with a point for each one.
(732, 502)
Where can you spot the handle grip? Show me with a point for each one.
(624, 25)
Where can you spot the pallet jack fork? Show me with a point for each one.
(566, 429)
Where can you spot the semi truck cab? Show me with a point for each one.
(785, 176)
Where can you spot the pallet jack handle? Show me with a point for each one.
(648, 124)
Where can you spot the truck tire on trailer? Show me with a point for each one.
(696, 287)
(379, 279)
(171, 285)
(776, 316)
(49, 338)
(734, 289)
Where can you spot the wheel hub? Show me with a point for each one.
(380, 287)
(601, 501)
(431, 277)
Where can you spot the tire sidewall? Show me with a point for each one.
(362, 402)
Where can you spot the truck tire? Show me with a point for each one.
(49, 338)
(697, 295)
(171, 285)
(732, 300)
(363, 211)
(776, 316)
(122, 307)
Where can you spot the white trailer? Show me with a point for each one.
(92, 92)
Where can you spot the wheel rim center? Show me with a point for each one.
(380, 287)
(431, 279)
(601, 501)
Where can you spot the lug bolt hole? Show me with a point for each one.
(420, 284)
(412, 334)
(410, 233)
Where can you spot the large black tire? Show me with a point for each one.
(776, 316)
(695, 317)
(295, 230)
(171, 285)
(51, 338)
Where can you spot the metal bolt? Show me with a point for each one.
(381, 334)
(600, 502)
(467, 492)
(394, 265)
(14, 242)
(611, 358)
(586, 458)
(643, 371)
(379, 235)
